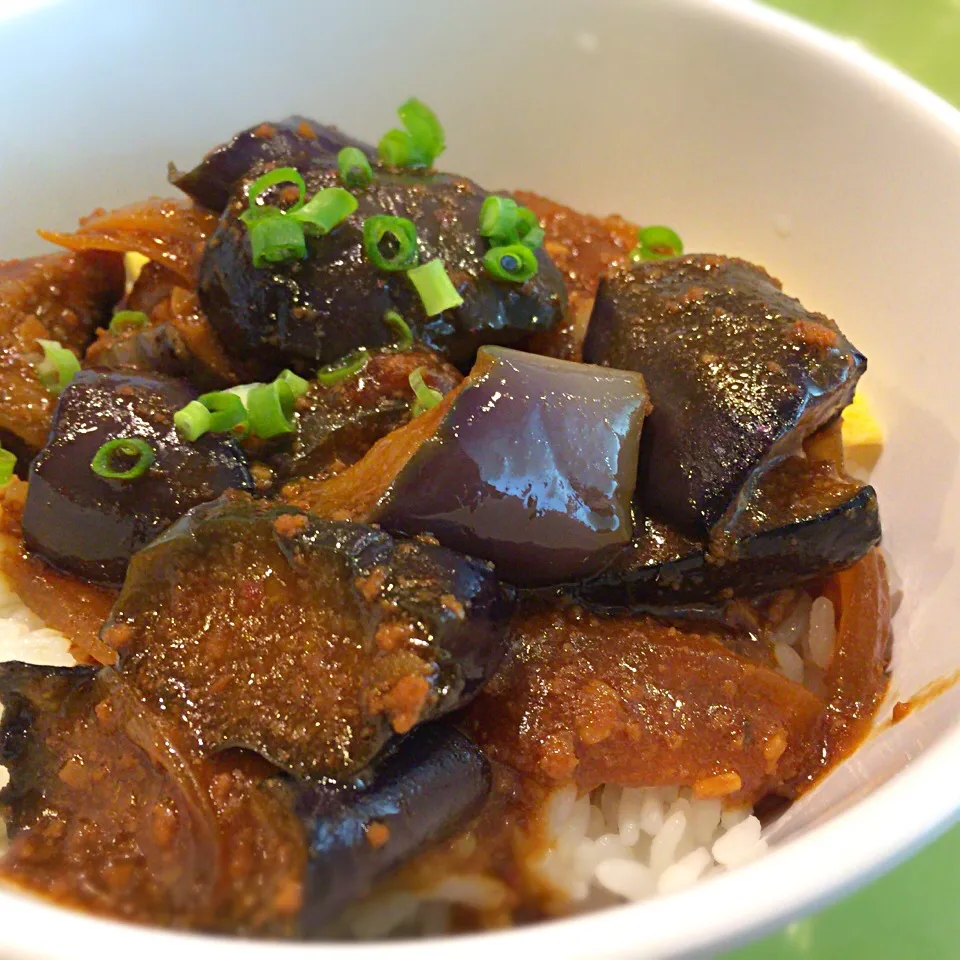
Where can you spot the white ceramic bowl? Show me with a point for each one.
(749, 132)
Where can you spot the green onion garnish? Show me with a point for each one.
(270, 406)
(8, 462)
(264, 183)
(355, 170)
(324, 210)
(425, 397)
(298, 386)
(516, 262)
(105, 461)
(192, 421)
(656, 243)
(57, 367)
(350, 365)
(498, 217)
(390, 242)
(404, 334)
(276, 238)
(417, 146)
(125, 319)
(437, 292)
(226, 411)
(529, 231)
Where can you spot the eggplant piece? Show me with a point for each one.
(90, 526)
(331, 639)
(292, 142)
(530, 463)
(419, 794)
(322, 308)
(338, 424)
(802, 522)
(738, 372)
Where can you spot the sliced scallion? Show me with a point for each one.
(274, 239)
(419, 144)
(8, 463)
(516, 262)
(271, 179)
(192, 421)
(436, 289)
(124, 458)
(498, 217)
(404, 334)
(390, 242)
(354, 167)
(58, 366)
(424, 397)
(227, 411)
(324, 210)
(349, 366)
(298, 386)
(270, 409)
(126, 319)
(529, 231)
(656, 243)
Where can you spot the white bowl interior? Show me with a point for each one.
(750, 134)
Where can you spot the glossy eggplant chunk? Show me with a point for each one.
(331, 638)
(110, 809)
(533, 467)
(738, 372)
(337, 424)
(293, 142)
(317, 310)
(89, 525)
(803, 521)
(430, 785)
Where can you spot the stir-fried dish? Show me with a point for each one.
(380, 512)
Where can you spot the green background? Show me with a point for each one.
(912, 913)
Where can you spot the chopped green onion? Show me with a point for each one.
(8, 461)
(425, 397)
(274, 239)
(264, 183)
(498, 217)
(516, 262)
(270, 406)
(656, 243)
(226, 411)
(325, 209)
(125, 319)
(405, 335)
(298, 386)
(192, 421)
(355, 170)
(417, 146)
(350, 365)
(104, 463)
(529, 231)
(436, 290)
(390, 242)
(58, 366)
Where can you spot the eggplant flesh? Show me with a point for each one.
(318, 310)
(91, 525)
(738, 372)
(331, 641)
(419, 794)
(533, 468)
(293, 142)
(803, 521)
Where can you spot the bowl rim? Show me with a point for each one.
(41, 930)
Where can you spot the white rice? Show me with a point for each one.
(613, 845)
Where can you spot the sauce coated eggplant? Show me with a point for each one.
(89, 525)
(530, 463)
(318, 310)
(331, 639)
(738, 372)
(417, 795)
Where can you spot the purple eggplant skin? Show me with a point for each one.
(429, 786)
(341, 612)
(292, 142)
(90, 526)
(317, 310)
(738, 372)
(532, 468)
